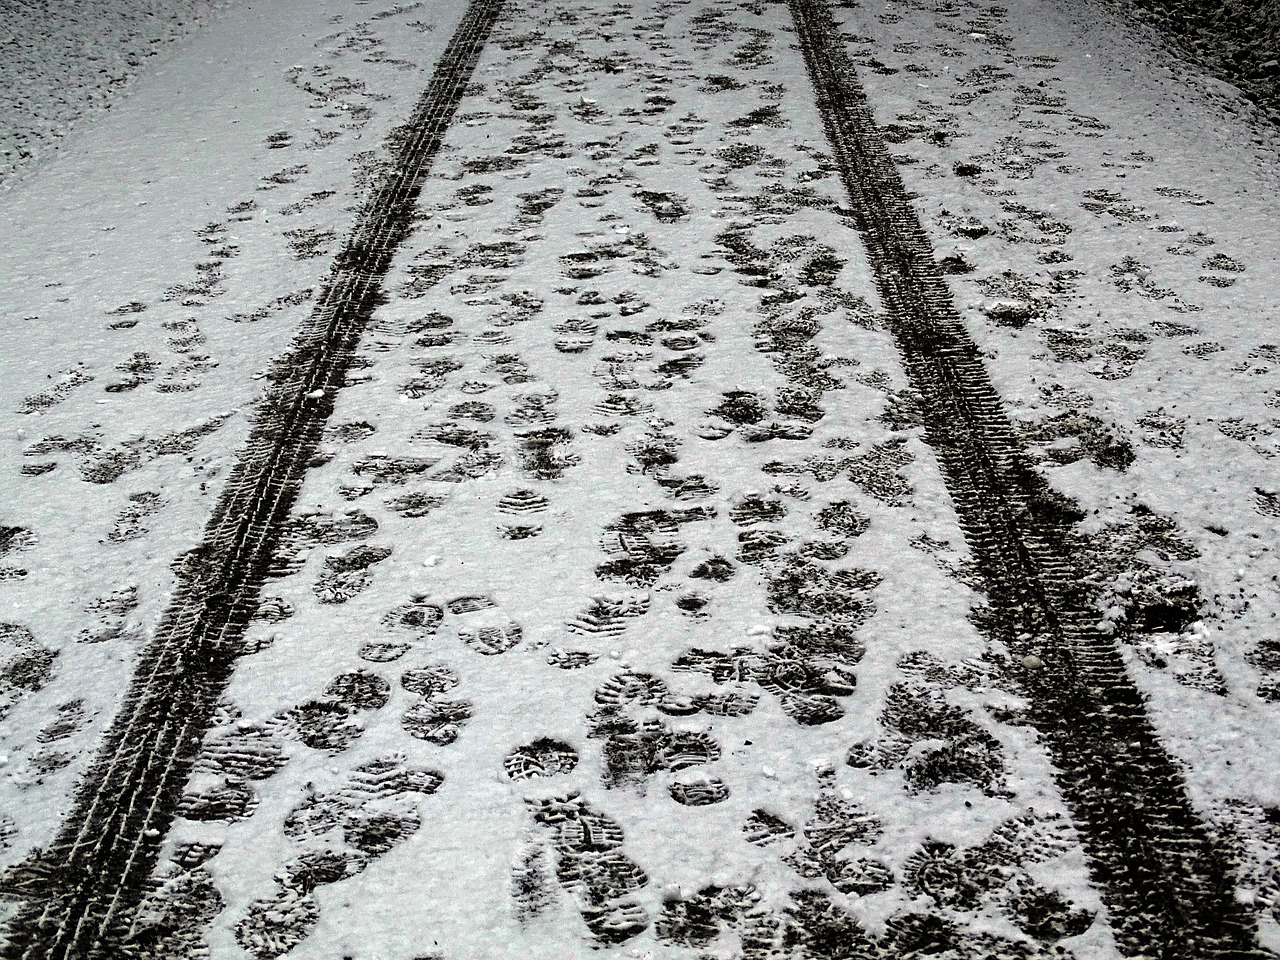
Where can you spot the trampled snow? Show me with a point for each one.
(628, 432)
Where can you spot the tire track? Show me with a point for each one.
(1165, 879)
(79, 894)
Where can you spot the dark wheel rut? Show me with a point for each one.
(1167, 882)
(80, 895)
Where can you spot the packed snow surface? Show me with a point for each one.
(624, 610)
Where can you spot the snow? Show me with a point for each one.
(64, 62)
(178, 239)
(188, 147)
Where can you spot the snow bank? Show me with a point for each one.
(60, 62)
(1239, 41)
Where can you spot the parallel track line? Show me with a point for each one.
(79, 895)
(1167, 883)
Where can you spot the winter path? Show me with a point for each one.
(97, 866)
(737, 494)
(1163, 878)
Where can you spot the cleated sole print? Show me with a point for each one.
(731, 600)
(1165, 879)
(636, 599)
(79, 893)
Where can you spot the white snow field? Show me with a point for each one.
(629, 556)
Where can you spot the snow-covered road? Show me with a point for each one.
(578, 479)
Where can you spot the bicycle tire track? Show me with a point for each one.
(80, 891)
(1165, 880)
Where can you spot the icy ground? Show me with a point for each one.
(625, 611)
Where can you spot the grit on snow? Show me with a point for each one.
(627, 433)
